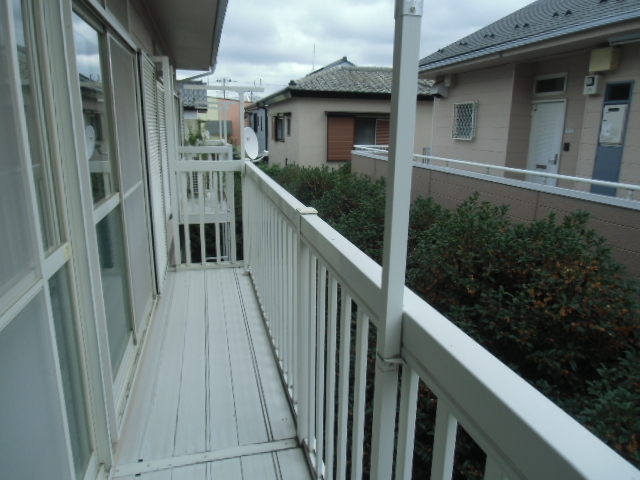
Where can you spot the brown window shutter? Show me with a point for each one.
(382, 131)
(340, 135)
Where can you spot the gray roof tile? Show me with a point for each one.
(351, 79)
(542, 19)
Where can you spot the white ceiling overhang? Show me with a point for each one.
(190, 30)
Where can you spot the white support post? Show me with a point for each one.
(408, 15)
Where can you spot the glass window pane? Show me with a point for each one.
(40, 161)
(114, 285)
(32, 440)
(126, 114)
(140, 258)
(17, 255)
(96, 127)
(71, 370)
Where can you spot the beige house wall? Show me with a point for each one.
(619, 225)
(307, 144)
(505, 96)
(629, 70)
(520, 117)
(492, 89)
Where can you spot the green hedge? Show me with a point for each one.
(546, 298)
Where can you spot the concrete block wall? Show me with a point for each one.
(619, 225)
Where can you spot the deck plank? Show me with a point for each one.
(259, 466)
(191, 422)
(249, 409)
(222, 414)
(278, 410)
(208, 381)
(293, 465)
(160, 436)
(226, 470)
(136, 422)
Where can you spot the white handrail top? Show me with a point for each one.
(496, 406)
(204, 149)
(376, 149)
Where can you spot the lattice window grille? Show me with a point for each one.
(464, 120)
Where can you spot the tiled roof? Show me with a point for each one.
(343, 62)
(342, 78)
(193, 98)
(352, 80)
(541, 20)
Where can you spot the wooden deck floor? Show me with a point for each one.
(208, 402)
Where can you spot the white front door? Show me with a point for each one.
(545, 141)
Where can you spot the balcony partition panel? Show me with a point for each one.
(206, 205)
(320, 297)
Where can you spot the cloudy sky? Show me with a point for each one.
(270, 42)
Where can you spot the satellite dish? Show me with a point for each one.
(89, 140)
(250, 143)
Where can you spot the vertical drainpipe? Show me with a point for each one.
(408, 16)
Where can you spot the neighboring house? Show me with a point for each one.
(551, 88)
(194, 102)
(222, 110)
(258, 119)
(317, 119)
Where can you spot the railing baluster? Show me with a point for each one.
(282, 294)
(444, 443)
(406, 423)
(186, 176)
(362, 344)
(304, 314)
(331, 376)
(311, 346)
(232, 215)
(201, 196)
(290, 309)
(320, 354)
(279, 267)
(216, 205)
(274, 279)
(343, 387)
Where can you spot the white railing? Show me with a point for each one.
(205, 203)
(380, 152)
(320, 295)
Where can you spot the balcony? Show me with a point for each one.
(247, 367)
(208, 401)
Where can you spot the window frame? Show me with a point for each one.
(455, 124)
(538, 78)
(281, 126)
